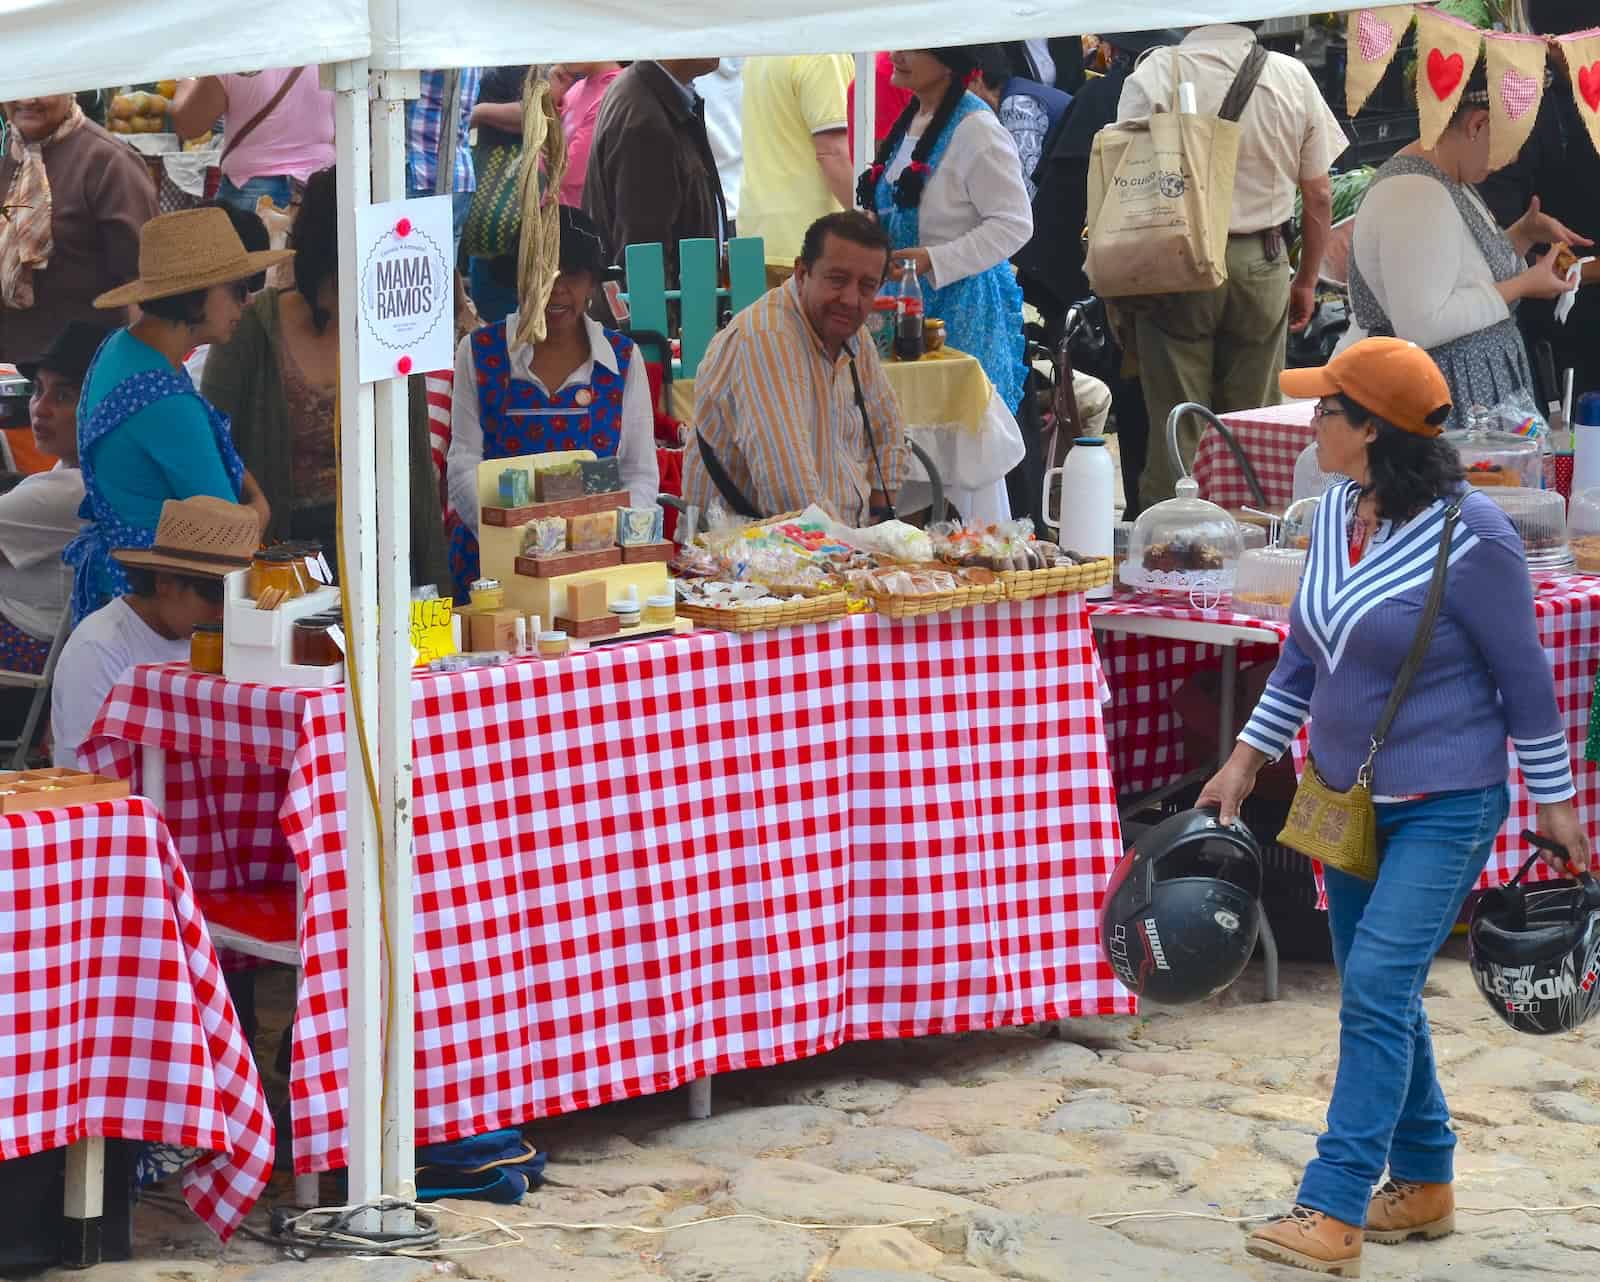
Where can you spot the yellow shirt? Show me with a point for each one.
(788, 100)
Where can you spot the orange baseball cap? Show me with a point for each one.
(1392, 378)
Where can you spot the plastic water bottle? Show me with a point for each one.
(1087, 514)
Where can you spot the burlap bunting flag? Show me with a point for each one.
(1516, 69)
(1582, 54)
(1447, 51)
(1373, 36)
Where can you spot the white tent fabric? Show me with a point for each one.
(410, 34)
(58, 46)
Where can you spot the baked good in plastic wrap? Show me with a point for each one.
(1008, 545)
(1583, 530)
(1184, 546)
(1267, 580)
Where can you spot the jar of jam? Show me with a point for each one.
(205, 648)
(486, 594)
(313, 645)
(278, 568)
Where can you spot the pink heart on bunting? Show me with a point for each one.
(1374, 36)
(1518, 93)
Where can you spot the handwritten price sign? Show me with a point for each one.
(431, 634)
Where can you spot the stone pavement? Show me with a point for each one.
(1004, 1144)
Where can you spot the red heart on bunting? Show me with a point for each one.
(1589, 85)
(1444, 74)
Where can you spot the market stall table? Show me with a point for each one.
(645, 865)
(1272, 439)
(953, 412)
(1146, 662)
(113, 1010)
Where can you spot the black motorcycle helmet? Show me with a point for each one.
(1181, 912)
(1535, 950)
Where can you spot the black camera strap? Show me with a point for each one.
(872, 444)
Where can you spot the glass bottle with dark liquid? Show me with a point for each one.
(909, 343)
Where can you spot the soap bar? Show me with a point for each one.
(493, 630)
(544, 536)
(592, 532)
(586, 599)
(514, 488)
(637, 526)
(562, 481)
(601, 476)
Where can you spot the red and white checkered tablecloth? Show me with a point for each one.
(649, 863)
(114, 1019)
(1147, 743)
(1272, 439)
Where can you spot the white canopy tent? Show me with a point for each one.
(369, 55)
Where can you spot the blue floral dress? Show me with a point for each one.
(982, 313)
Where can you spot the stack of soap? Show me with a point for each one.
(560, 481)
(592, 532)
(515, 491)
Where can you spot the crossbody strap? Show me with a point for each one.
(1244, 84)
(1419, 644)
(250, 125)
(866, 427)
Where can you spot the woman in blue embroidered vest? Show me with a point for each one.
(144, 434)
(1438, 778)
(947, 186)
(583, 388)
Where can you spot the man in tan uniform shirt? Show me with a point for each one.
(1225, 347)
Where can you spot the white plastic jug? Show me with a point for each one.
(1087, 512)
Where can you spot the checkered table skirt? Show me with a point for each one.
(650, 863)
(1146, 741)
(1272, 439)
(113, 1013)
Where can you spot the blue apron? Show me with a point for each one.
(983, 313)
(96, 578)
(517, 418)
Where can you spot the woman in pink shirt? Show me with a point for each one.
(579, 112)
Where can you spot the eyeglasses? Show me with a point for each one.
(1322, 410)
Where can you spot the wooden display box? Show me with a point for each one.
(589, 629)
(643, 553)
(589, 504)
(564, 563)
(22, 790)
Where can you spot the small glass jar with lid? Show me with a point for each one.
(312, 644)
(277, 568)
(1186, 546)
(205, 648)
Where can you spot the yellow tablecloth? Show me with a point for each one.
(945, 390)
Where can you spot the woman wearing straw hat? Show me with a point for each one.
(144, 434)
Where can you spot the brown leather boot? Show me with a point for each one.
(1310, 1240)
(1402, 1210)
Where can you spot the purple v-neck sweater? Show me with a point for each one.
(1485, 678)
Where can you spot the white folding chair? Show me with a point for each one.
(39, 683)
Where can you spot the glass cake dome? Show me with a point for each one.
(1184, 545)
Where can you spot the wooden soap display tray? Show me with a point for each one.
(562, 563)
(590, 629)
(639, 553)
(589, 504)
(22, 790)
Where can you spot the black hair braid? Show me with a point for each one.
(909, 186)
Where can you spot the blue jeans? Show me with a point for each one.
(1387, 1108)
(274, 187)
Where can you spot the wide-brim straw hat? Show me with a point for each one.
(189, 250)
(203, 537)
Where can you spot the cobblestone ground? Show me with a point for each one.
(1006, 1143)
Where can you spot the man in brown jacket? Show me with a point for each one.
(651, 176)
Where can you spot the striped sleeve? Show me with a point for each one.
(1546, 768)
(1284, 706)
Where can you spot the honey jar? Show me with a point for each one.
(312, 644)
(486, 594)
(552, 645)
(933, 334)
(205, 648)
(278, 568)
(660, 610)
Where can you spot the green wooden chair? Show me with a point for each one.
(700, 297)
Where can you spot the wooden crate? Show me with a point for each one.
(22, 790)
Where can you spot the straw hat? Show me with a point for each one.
(204, 537)
(191, 249)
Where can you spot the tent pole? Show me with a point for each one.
(866, 114)
(358, 464)
(392, 400)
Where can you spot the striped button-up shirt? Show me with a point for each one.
(425, 124)
(781, 416)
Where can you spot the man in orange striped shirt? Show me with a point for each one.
(791, 398)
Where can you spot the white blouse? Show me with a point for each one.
(1419, 259)
(975, 211)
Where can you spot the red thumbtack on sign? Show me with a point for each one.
(403, 364)
(403, 228)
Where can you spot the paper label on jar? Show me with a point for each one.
(317, 568)
(336, 635)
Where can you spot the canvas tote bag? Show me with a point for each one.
(1161, 195)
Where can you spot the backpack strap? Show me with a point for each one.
(1244, 84)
